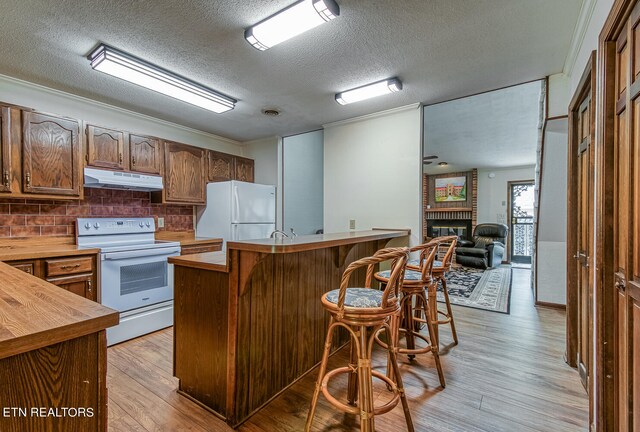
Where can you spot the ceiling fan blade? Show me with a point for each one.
(430, 157)
(426, 163)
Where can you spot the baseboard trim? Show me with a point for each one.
(551, 305)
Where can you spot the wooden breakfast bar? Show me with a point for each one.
(248, 323)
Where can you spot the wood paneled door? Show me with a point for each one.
(184, 178)
(220, 166)
(618, 230)
(244, 169)
(105, 148)
(146, 154)
(580, 225)
(51, 155)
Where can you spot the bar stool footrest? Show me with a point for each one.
(382, 409)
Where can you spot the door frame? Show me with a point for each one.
(604, 299)
(509, 219)
(586, 86)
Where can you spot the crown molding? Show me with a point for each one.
(373, 115)
(124, 111)
(586, 12)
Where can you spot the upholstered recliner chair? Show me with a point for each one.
(487, 248)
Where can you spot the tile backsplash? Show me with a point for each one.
(29, 217)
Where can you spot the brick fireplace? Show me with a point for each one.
(449, 218)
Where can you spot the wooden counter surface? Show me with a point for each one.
(186, 238)
(311, 242)
(41, 247)
(215, 261)
(35, 313)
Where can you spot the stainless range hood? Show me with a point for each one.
(97, 178)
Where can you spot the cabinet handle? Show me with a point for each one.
(133, 160)
(90, 287)
(67, 267)
(6, 178)
(28, 179)
(120, 157)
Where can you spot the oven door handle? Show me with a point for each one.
(139, 254)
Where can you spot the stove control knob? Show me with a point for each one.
(148, 224)
(87, 225)
(141, 225)
(96, 225)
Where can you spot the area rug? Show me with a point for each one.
(481, 289)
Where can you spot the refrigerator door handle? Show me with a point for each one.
(236, 205)
(234, 233)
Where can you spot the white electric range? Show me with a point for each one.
(135, 277)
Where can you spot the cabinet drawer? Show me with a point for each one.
(25, 267)
(200, 248)
(60, 267)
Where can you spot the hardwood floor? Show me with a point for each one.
(507, 374)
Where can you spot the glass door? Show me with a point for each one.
(521, 200)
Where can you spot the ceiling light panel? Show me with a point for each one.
(369, 91)
(290, 22)
(137, 71)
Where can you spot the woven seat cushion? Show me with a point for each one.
(357, 297)
(410, 275)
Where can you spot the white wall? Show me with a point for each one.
(31, 95)
(552, 219)
(265, 154)
(596, 13)
(302, 182)
(372, 172)
(493, 192)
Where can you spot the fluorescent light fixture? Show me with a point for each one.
(368, 91)
(129, 68)
(290, 22)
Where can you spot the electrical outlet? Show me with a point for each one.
(160, 222)
(352, 224)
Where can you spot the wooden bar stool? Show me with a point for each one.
(414, 308)
(439, 270)
(362, 312)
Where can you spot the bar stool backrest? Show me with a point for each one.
(428, 252)
(398, 257)
(448, 256)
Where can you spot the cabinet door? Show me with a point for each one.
(184, 173)
(145, 154)
(105, 148)
(244, 169)
(5, 150)
(51, 155)
(220, 166)
(82, 285)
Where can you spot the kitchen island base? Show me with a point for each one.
(250, 324)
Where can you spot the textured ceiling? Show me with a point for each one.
(441, 49)
(491, 130)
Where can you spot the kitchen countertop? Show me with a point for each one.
(216, 261)
(34, 248)
(35, 313)
(186, 238)
(317, 241)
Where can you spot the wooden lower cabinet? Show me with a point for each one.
(76, 274)
(62, 387)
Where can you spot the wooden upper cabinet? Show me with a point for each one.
(51, 162)
(105, 148)
(184, 174)
(244, 169)
(146, 154)
(5, 151)
(220, 166)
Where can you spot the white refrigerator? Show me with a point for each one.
(237, 210)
